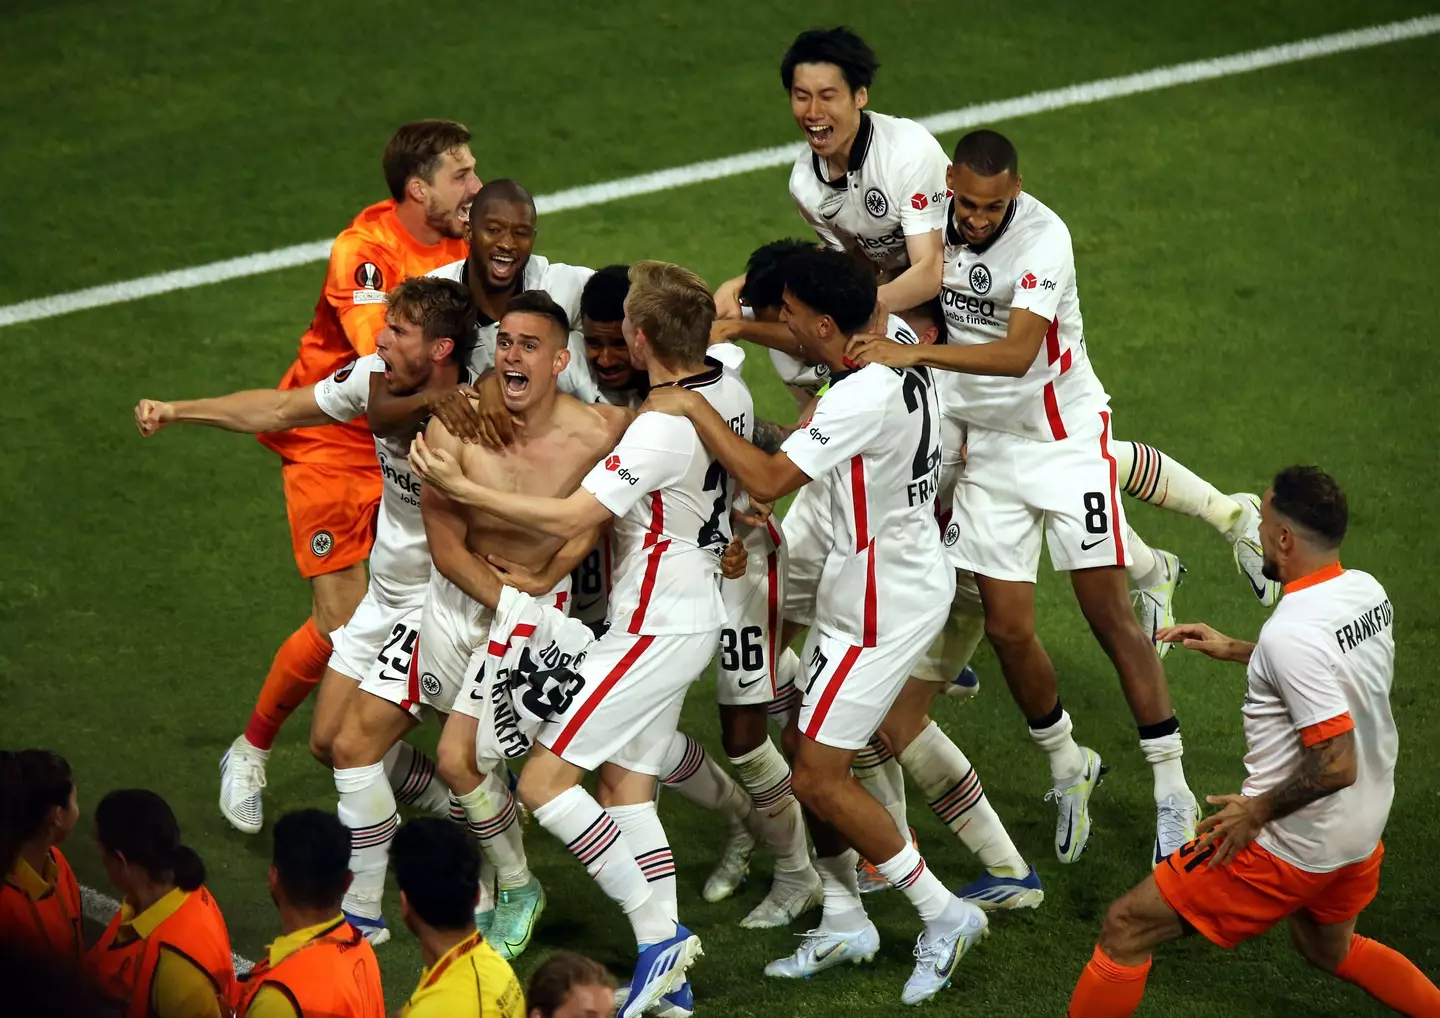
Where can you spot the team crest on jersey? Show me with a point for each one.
(344, 372)
(980, 279)
(369, 277)
(430, 684)
(952, 534)
(875, 203)
(321, 543)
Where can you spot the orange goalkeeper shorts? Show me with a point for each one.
(332, 514)
(1255, 891)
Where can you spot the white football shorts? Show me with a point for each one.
(1013, 490)
(371, 634)
(749, 650)
(807, 539)
(627, 706)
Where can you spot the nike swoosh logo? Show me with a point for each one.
(746, 685)
(581, 606)
(949, 966)
(1069, 833)
(824, 953)
(1087, 545)
(830, 216)
(1259, 590)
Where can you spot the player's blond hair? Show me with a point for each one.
(672, 306)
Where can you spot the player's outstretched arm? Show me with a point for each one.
(559, 517)
(391, 416)
(773, 335)
(1010, 357)
(1208, 641)
(766, 477)
(921, 281)
(252, 412)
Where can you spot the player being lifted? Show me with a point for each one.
(669, 502)
(1039, 463)
(331, 486)
(876, 186)
(883, 595)
(420, 353)
(1301, 842)
(557, 441)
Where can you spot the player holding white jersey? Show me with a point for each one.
(421, 355)
(1039, 463)
(883, 596)
(561, 439)
(1302, 842)
(669, 503)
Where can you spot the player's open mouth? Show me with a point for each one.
(976, 232)
(819, 134)
(613, 377)
(502, 266)
(516, 384)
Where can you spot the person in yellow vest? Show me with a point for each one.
(570, 985)
(39, 897)
(321, 965)
(166, 953)
(437, 867)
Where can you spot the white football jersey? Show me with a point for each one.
(1324, 662)
(875, 438)
(894, 188)
(1027, 264)
(564, 283)
(400, 557)
(671, 500)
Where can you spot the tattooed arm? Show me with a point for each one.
(769, 435)
(1325, 769)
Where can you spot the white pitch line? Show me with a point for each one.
(780, 155)
(101, 908)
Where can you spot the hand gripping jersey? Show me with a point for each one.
(532, 665)
(369, 257)
(1323, 665)
(672, 501)
(400, 559)
(1027, 264)
(875, 435)
(894, 188)
(564, 283)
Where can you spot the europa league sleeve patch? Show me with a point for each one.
(369, 277)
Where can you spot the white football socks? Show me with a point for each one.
(594, 838)
(493, 818)
(779, 820)
(689, 770)
(1154, 477)
(367, 807)
(957, 797)
(884, 778)
(843, 911)
(640, 825)
(412, 777)
(1053, 735)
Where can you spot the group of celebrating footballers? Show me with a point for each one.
(572, 517)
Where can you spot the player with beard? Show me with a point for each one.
(417, 352)
(331, 487)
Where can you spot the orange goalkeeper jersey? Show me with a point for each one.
(373, 254)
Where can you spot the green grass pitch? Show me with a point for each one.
(1256, 258)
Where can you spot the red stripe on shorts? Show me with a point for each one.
(812, 730)
(588, 707)
(1114, 496)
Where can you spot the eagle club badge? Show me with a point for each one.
(979, 279)
(875, 202)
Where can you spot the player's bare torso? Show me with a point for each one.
(548, 458)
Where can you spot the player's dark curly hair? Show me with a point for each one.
(312, 858)
(1310, 497)
(834, 284)
(603, 299)
(839, 46)
(765, 272)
